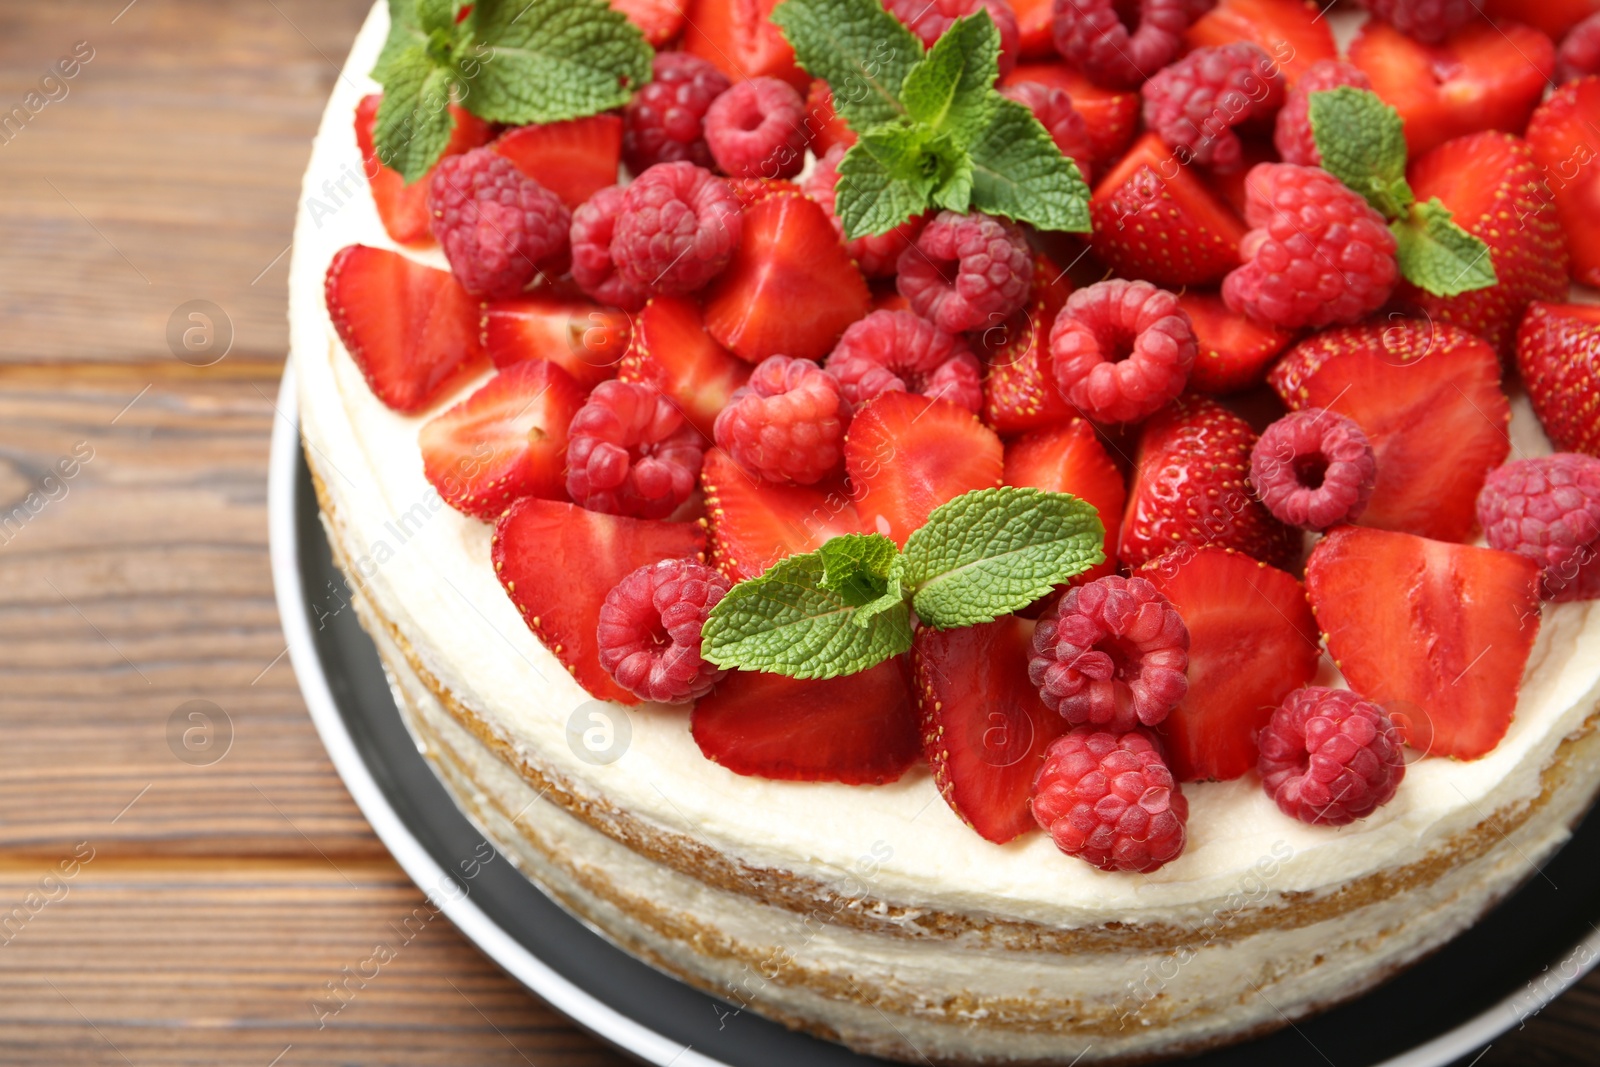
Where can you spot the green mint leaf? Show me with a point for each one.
(1436, 254)
(551, 60)
(861, 50)
(954, 192)
(994, 551)
(1362, 142)
(436, 15)
(882, 181)
(404, 31)
(785, 622)
(1018, 172)
(414, 121)
(949, 87)
(858, 567)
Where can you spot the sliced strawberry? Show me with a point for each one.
(1233, 350)
(558, 561)
(672, 350)
(1189, 487)
(1070, 459)
(984, 728)
(791, 288)
(1156, 219)
(505, 441)
(753, 524)
(410, 328)
(585, 339)
(740, 39)
(659, 20)
(1482, 77)
(1558, 355)
(860, 729)
(827, 128)
(404, 208)
(1436, 631)
(1112, 115)
(906, 454)
(573, 159)
(1293, 32)
(1564, 134)
(1035, 18)
(1016, 394)
(1427, 395)
(1554, 17)
(1252, 639)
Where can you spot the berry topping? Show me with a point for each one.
(552, 323)
(672, 351)
(966, 272)
(1294, 33)
(664, 120)
(928, 19)
(494, 222)
(1565, 129)
(649, 630)
(1314, 469)
(740, 38)
(677, 228)
(787, 423)
(1428, 21)
(1292, 135)
(1329, 758)
(631, 452)
(1112, 654)
(753, 524)
(1195, 103)
(895, 351)
(1558, 356)
(878, 255)
(659, 20)
(1317, 252)
(1069, 458)
(1548, 509)
(1579, 54)
(827, 128)
(1052, 106)
(1110, 799)
(757, 129)
(593, 225)
(573, 159)
(403, 208)
(1120, 350)
(1091, 36)
(1232, 351)
(1019, 393)
(1111, 115)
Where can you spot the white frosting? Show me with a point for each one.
(427, 569)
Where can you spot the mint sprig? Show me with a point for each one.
(847, 606)
(1362, 143)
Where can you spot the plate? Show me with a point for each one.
(1515, 960)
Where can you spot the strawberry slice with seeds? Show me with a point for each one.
(672, 350)
(754, 524)
(558, 561)
(1252, 640)
(791, 287)
(1558, 355)
(906, 454)
(1112, 115)
(1554, 17)
(740, 39)
(1233, 350)
(984, 728)
(1437, 632)
(1016, 394)
(1292, 32)
(1070, 459)
(659, 20)
(403, 208)
(505, 441)
(1564, 134)
(587, 340)
(859, 729)
(410, 328)
(573, 159)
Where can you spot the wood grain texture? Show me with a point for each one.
(220, 901)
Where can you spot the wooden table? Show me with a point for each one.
(208, 906)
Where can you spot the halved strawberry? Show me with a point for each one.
(1016, 394)
(753, 524)
(1233, 350)
(573, 159)
(411, 329)
(827, 128)
(1554, 17)
(1558, 355)
(1482, 77)
(860, 729)
(1427, 395)
(659, 20)
(1293, 32)
(1189, 487)
(558, 561)
(403, 208)
(1436, 631)
(1112, 115)
(1070, 459)
(1564, 134)
(586, 339)
(1156, 219)
(1035, 19)
(906, 454)
(505, 441)
(740, 39)
(984, 728)
(791, 288)
(1252, 639)
(672, 350)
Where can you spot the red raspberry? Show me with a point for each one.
(878, 255)
(1328, 757)
(757, 129)
(593, 225)
(1318, 254)
(1053, 108)
(1110, 799)
(494, 222)
(631, 452)
(1579, 54)
(1121, 350)
(1428, 21)
(649, 630)
(1292, 136)
(966, 272)
(1195, 103)
(928, 19)
(897, 352)
(663, 123)
(787, 424)
(677, 228)
(1314, 469)
(1112, 654)
(1548, 509)
(1090, 35)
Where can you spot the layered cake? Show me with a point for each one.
(1084, 572)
